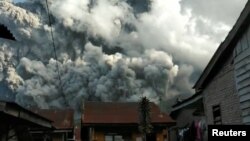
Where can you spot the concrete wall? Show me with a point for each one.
(222, 90)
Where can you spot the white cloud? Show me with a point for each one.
(223, 11)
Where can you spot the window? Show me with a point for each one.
(108, 138)
(217, 114)
(118, 138)
(113, 138)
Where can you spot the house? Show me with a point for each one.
(189, 116)
(117, 121)
(225, 82)
(63, 123)
(16, 122)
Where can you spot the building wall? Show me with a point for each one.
(160, 136)
(173, 134)
(222, 90)
(10, 133)
(54, 136)
(184, 120)
(100, 136)
(242, 73)
(135, 136)
(58, 137)
(185, 117)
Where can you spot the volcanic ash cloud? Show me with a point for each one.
(107, 50)
(95, 76)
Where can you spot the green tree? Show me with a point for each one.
(144, 117)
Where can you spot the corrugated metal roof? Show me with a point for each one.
(120, 113)
(62, 118)
(13, 111)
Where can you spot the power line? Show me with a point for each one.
(55, 54)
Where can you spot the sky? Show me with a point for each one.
(109, 50)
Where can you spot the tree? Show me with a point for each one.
(144, 117)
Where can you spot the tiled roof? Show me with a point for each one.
(62, 119)
(120, 113)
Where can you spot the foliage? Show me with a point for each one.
(144, 116)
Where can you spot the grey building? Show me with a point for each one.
(223, 88)
(225, 82)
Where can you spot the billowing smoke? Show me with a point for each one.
(95, 76)
(107, 50)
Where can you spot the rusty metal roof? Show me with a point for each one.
(120, 113)
(20, 115)
(62, 118)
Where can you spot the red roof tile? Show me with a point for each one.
(120, 113)
(62, 119)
